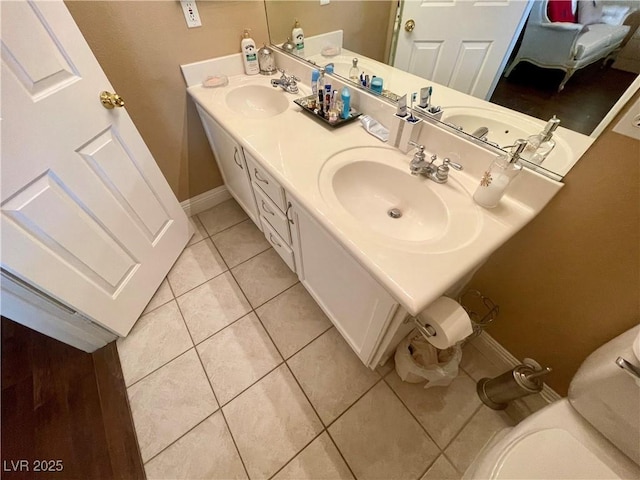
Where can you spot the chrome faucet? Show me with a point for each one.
(438, 173)
(287, 83)
(480, 133)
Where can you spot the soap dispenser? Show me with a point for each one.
(353, 71)
(540, 145)
(249, 54)
(298, 39)
(498, 176)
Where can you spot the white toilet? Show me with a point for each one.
(592, 434)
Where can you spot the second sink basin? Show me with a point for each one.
(257, 101)
(504, 129)
(373, 186)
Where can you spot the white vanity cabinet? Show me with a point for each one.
(270, 198)
(232, 164)
(356, 304)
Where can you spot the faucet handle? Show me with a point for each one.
(417, 145)
(448, 162)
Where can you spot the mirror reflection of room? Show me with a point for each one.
(580, 82)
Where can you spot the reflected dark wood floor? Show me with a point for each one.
(587, 97)
(59, 403)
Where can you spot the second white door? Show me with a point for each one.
(462, 44)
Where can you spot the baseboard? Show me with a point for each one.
(205, 200)
(499, 355)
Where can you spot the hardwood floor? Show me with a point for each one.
(59, 403)
(585, 100)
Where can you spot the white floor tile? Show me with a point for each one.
(380, 439)
(263, 277)
(222, 216)
(157, 337)
(238, 356)
(206, 452)
(163, 295)
(169, 402)
(442, 411)
(199, 231)
(319, 461)
(442, 470)
(212, 306)
(293, 319)
(271, 422)
(483, 425)
(240, 243)
(195, 265)
(331, 375)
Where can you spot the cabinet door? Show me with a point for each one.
(356, 304)
(232, 165)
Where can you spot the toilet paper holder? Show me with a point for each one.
(481, 310)
(427, 331)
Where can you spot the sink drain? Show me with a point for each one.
(394, 213)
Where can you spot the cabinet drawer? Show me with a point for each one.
(266, 182)
(278, 244)
(272, 214)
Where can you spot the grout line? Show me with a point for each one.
(214, 395)
(253, 384)
(411, 413)
(296, 454)
(354, 402)
(464, 425)
(255, 307)
(340, 453)
(181, 436)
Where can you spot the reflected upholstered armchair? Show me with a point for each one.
(566, 46)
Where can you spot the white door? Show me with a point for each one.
(87, 216)
(463, 44)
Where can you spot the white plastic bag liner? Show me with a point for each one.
(417, 360)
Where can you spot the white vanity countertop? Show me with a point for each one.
(294, 147)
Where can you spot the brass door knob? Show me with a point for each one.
(111, 100)
(410, 25)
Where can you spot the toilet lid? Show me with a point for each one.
(550, 453)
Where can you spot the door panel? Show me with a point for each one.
(87, 216)
(463, 44)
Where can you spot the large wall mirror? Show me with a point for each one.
(468, 45)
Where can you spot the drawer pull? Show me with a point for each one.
(257, 175)
(286, 214)
(273, 240)
(235, 158)
(266, 208)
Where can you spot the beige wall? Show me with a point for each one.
(365, 23)
(141, 45)
(570, 280)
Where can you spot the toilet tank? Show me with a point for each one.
(608, 397)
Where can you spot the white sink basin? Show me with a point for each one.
(258, 101)
(373, 189)
(504, 129)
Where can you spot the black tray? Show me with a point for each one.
(304, 103)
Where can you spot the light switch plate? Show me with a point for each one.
(325, 2)
(629, 124)
(191, 14)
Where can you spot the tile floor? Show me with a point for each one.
(233, 371)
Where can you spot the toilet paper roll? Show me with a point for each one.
(449, 321)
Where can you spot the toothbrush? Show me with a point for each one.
(414, 95)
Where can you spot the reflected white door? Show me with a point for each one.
(87, 216)
(463, 44)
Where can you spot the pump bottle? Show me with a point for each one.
(249, 54)
(539, 146)
(498, 176)
(353, 71)
(298, 39)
